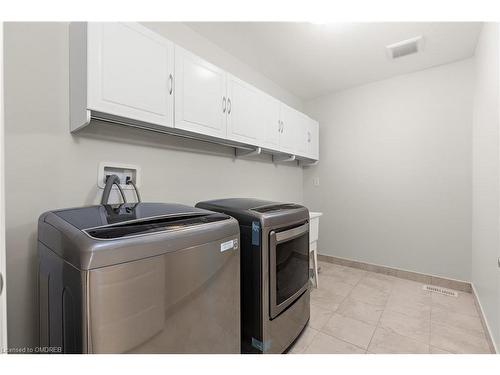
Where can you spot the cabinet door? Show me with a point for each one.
(313, 140)
(289, 135)
(271, 109)
(200, 95)
(245, 115)
(130, 72)
(302, 135)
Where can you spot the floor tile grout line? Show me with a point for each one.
(377, 326)
(343, 340)
(371, 338)
(312, 339)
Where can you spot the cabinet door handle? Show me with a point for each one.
(282, 127)
(309, 137)
(171, 84)
(223, 104)
(228, 106)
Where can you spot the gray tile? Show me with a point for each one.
(387, 342)
(319, 316)
(414, 320)
(411, 288)
(379, 282)
(417, 328)
(346, 275)
(384, 276)
(365, 293)
(326, 344)
(463, 304)
(445, 316)
(329, 268)
(334, 285)
(326, 299)
(304, 340)
(359, 310)
(435, 350)
(350, 330)
(412, 305)
(458, 340)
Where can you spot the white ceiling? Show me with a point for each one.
(310, 60)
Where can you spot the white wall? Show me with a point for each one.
(395, 171)
(48, 168)
(486, 183)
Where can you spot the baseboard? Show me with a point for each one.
(460, 285)
(484, 321)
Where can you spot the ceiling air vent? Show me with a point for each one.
(405, 47)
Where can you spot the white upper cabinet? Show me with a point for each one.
(126, 73)
(200, 95)
(130, 72)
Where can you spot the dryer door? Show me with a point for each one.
(289, 266)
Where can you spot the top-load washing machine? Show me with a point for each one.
(139, 278)
(274, 271)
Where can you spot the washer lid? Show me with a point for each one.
(103, 215)
(153, 225)
(276, 207)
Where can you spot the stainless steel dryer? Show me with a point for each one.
(139, 278)
(274, 271)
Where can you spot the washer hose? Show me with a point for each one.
(110, 181)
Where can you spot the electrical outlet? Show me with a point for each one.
(316, 181)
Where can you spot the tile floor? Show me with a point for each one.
(356, 311)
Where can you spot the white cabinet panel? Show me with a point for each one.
(252, 117)
(303, 135)
(271, 109)
(290, 124)
(244, 112)
(313, 140)
(299, 134)
(200, 95)
(130, 72)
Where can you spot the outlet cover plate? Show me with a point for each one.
(120, 169)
